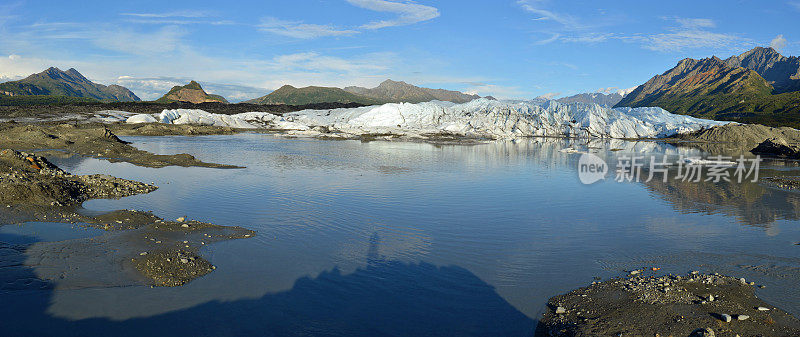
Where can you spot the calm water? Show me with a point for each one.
(393, 238)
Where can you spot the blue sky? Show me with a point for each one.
(505, 48)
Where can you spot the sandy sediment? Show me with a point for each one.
(691, 305)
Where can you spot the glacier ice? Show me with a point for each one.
(479, 118)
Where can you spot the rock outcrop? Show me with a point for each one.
(778, 148)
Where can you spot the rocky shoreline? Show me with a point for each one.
(164, 253)
(671, 305)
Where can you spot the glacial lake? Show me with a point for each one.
(402, 238)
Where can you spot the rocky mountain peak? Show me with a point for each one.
(191, 93)
(782, 72)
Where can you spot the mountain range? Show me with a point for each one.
(190, 93)
(394, 91)
(599, 98)
(387, 92)
(70, 83)
(758, 86)
(290, 95)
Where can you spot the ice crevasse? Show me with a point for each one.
(478, 118)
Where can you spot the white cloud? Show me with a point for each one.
(156, 21)
(408, 12)
(178, 14)
(175, 18)
(117, 38)
(589, 38)
(550, 95)
(534, 6)
(795, 4)
(14, 57)
(300, 30)
(685, 33)
(778, 43)
(312, 62)
(164, 40)
(695, 22)
(690, 33)
(564, 64)
(552, 39)
(687, 39)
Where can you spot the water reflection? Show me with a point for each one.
(750, 203)
(358, 237)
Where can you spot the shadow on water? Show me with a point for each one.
(383, 298)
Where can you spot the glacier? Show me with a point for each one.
(481, 118)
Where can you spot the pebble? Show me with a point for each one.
(184, 260)
(742, 317)
(185, 226)
(635, 272)
(143, 253)
(725, 317)
(707, 332)
(763, 309)
(181, 219)
(710, 298)
(561, 310)
(742, 280)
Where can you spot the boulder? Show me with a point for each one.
(777, 147)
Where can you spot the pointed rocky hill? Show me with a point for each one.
(190, 93)
(70, 83)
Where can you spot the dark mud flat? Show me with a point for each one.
(155, 251)
(691, 305)
(98, 141)
(138, 248)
